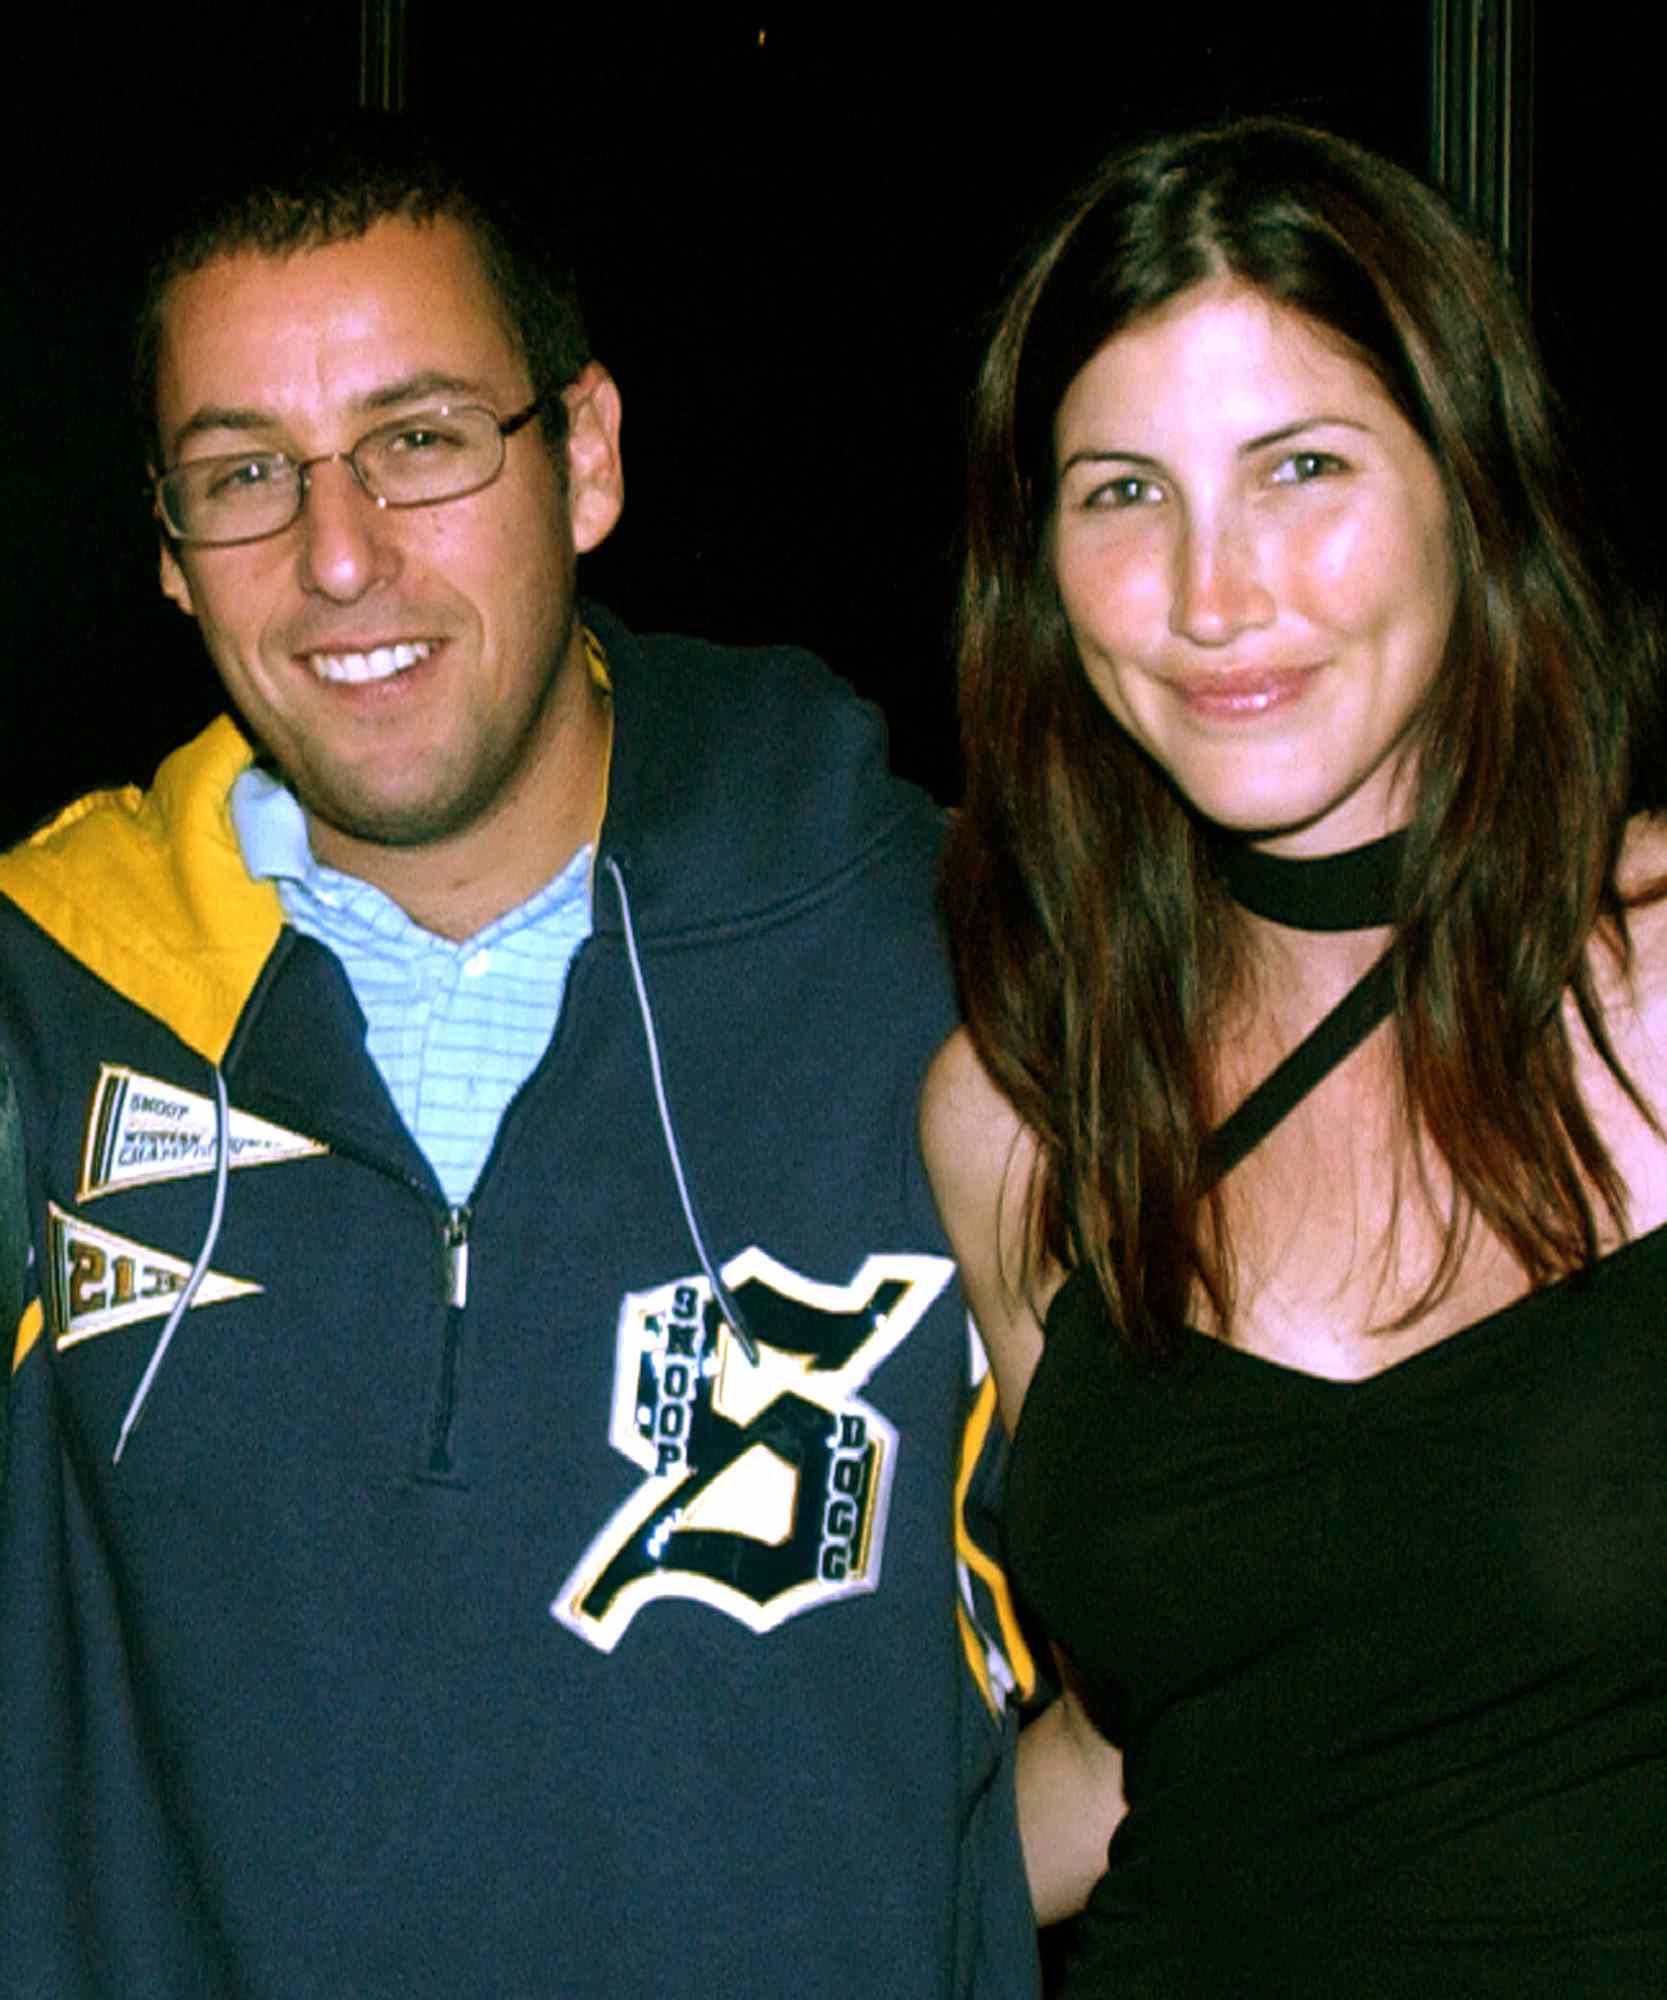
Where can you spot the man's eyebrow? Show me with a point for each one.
(419, 387)
(217, 417)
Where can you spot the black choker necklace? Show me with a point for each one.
(1329, 892)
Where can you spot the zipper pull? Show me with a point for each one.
(455, 1245)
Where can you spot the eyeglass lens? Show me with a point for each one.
(432, 455)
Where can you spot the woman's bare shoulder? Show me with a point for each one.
(981, 1159)
(970, 1133)
(1642, 868)
(1642, 879)
(1631, 993)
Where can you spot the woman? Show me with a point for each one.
(1299, 703)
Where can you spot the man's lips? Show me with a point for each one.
(370, 663)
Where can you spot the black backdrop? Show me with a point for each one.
(789, 233)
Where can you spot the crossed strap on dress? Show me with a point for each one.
(1334, 892)
(1368, 1001)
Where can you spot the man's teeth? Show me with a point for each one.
(373, 666)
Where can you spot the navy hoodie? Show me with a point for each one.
(467, 1613)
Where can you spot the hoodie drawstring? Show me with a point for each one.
(720, 1291)
(188, 1291)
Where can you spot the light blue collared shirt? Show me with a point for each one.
(453, 1029)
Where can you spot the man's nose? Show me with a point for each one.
(347, 544)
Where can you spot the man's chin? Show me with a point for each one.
(409, 821)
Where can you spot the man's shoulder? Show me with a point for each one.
(756, 769)
(720, 689)
(147, 889)
(120, 822)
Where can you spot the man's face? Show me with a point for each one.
(407, 669)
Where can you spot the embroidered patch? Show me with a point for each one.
(98, 1281)
(765, 1488)
(141, 1129)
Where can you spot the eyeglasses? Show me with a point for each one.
(415, 461)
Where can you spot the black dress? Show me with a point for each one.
(1387, 1659)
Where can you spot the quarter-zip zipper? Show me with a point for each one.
(439, 1455)
(454, 1246)
(435, 1452)
(454, 1242)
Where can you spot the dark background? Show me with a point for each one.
(789, 229)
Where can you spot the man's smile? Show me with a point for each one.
(378, 663)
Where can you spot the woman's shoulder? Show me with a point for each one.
(982, 1159)
(1638, 985)
(967, 1126)
(1630, 989)
(1641, 870)
(980, 1155)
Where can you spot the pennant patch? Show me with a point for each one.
(765, 1488)
(141, 1129)
(99, 1281)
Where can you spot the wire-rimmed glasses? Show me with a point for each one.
(418, 460)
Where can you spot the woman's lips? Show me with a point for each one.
(1242, 696)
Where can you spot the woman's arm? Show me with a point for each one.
(1070, 1800)
(980, 1157)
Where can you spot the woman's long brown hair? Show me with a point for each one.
(1096, 947)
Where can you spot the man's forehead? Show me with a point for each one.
(345, 320)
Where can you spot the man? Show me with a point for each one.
(479, 1517)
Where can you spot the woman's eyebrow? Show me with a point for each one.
(1105, 454)
(1302, 424)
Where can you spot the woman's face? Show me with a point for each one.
(1251, 544)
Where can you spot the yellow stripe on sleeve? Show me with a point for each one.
(29, 1330)
(974, 1437)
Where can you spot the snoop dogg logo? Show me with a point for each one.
(765, 1487)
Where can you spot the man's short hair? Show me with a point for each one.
(331, 182)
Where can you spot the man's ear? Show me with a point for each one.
(175, 586)
(595, 475)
